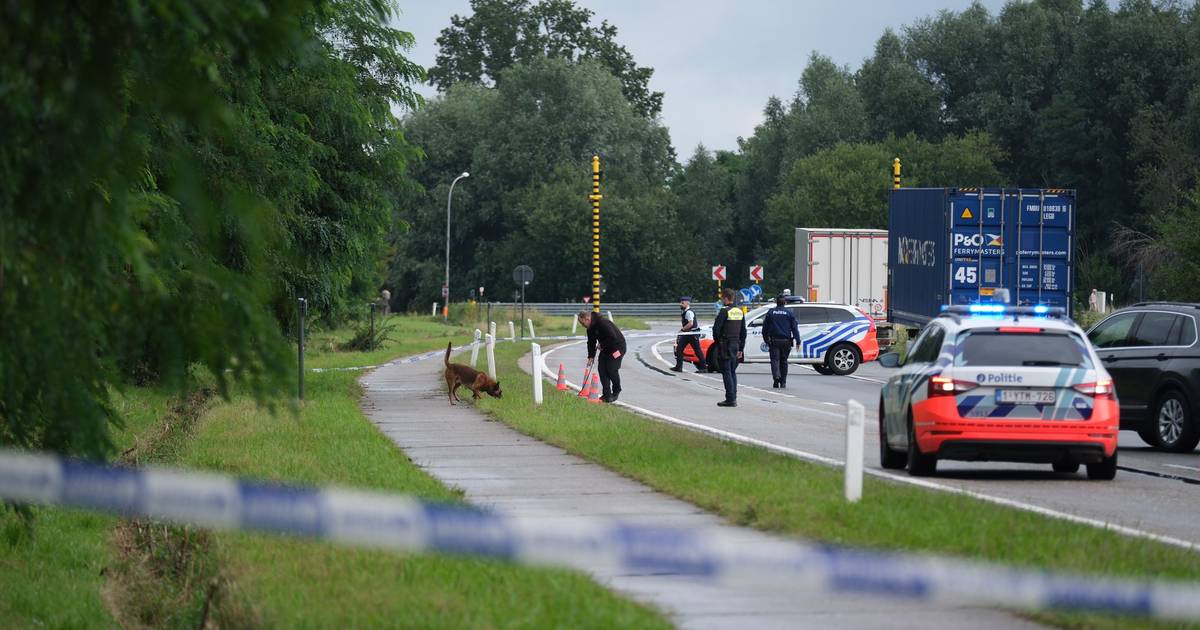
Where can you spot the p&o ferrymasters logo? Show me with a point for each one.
(999, 379)
(974, 244)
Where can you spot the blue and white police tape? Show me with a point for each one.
(404, 523)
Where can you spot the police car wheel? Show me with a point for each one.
(889, 459)
(842, 359)
(919, 464)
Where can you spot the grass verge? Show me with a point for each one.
(754, 487)
(74, 568)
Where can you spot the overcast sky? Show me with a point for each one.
(717, 61)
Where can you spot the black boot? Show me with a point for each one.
(775, 384)
(677, 368)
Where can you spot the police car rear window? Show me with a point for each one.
(981, 347)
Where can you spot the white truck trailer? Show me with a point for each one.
(843, 266)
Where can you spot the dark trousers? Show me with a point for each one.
(610, 372)
(682, 342)
(729, 375)
(779, 349)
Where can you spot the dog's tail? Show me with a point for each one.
(449, 344)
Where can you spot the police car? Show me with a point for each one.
(990, 382)
(834, 338)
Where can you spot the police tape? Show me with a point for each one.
(368, 519)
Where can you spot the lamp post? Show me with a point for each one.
(446, 286)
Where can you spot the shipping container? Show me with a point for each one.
(843, 266)
(958, 245)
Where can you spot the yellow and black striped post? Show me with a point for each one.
(595, 198)
(896, 173)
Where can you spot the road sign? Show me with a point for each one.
(522, 275)
(445, 291)
(747, 296)
(756, 273)
(755, 290)
(718, 273)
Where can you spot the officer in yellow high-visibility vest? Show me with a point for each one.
(729, 332)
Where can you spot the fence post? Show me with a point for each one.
(302, 310)
(531, 333)
(512, 331)
(371, 342)
(492, 329)
(574, 324)
(537, 373)
(491, 354)
(855, 427)
(475, 347)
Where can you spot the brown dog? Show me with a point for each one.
(458, 375)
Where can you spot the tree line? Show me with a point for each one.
(1045, 93)
(176, 174)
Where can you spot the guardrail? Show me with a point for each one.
(618, 309)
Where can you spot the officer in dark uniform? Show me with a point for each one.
(729, 333)
(780, 331)
(688, 324)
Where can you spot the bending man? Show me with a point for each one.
(604, 333)
(688, 337)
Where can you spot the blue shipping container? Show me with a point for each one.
(958, 245)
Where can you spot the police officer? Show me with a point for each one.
(781, 331)
(688, 324)
(729, 333)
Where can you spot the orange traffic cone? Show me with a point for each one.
(594, 393)
(562, 379)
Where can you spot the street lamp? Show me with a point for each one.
(446, 286)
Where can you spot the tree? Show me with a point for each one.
(502, 33)
(898, 99)
(827, 109)
(528, 144)
(147, 229)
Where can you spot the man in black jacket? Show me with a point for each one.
(780, 331)
(612, 350)
(729, 333)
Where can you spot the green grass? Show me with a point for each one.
(301, 583)
(754, 487)
(51, 574)
(54, 574)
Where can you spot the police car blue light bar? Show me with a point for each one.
(1040, 310)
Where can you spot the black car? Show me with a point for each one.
(1151, 351)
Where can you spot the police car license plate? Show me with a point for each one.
(1026, 396)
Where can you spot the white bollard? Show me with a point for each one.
(475, 347)
(512, 332)
(855, 428)
(434, 313)
(531, 334)
(610, 317)
(574, 325)
(537, 373)
(491, 354)
(492, 329)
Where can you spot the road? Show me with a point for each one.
(1154, 492)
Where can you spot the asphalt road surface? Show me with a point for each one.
(1154, 492)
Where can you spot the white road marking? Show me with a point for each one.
(921, 483)
(1182, 467)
